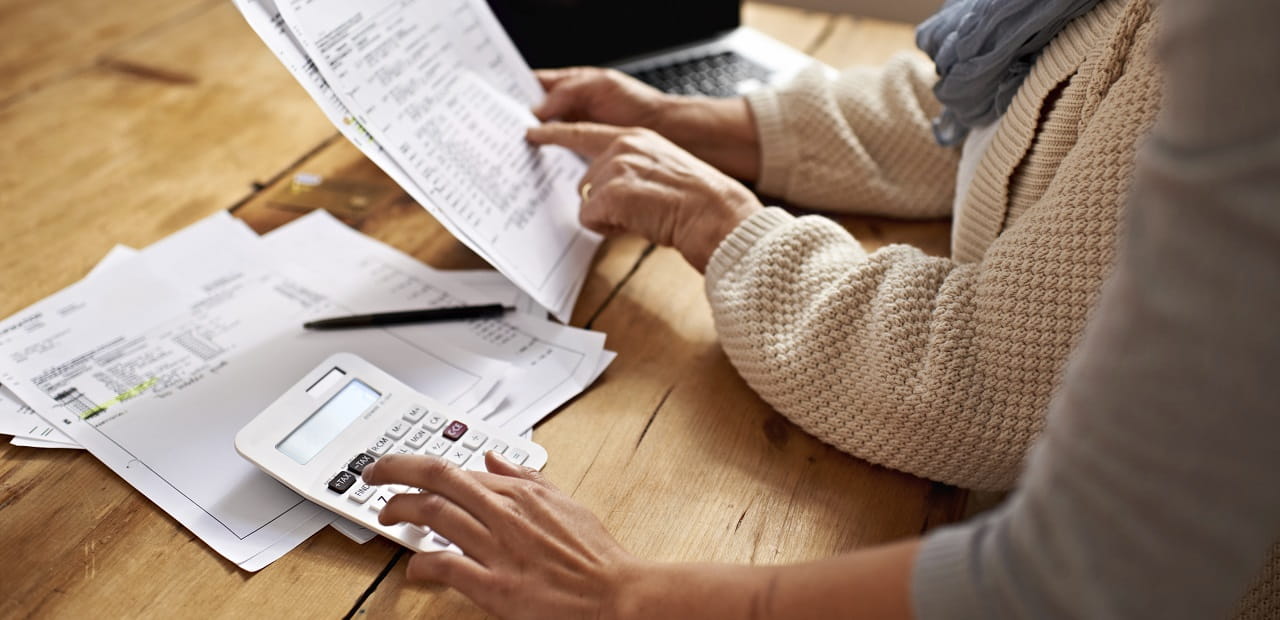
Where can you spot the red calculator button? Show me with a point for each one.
(455, 430)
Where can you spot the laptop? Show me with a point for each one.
(686, 47)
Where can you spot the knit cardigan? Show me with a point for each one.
(941, 367)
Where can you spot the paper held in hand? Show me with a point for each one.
(436, 94)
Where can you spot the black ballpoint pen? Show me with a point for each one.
(431, 315)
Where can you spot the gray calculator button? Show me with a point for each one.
(363, 493)
(398, 430)
(381, 446)
(357, 464)
(458, 455)
(517, 456)
(415, 413)
(473, 439)
(435, 422)
(438, 445)
(341, 482)
(496, 445)
(418, 438)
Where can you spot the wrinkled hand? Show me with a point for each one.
(640, 182)
(599, 95)
(532, 552)
(721, 132)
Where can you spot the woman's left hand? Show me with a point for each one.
(641, 182)
(532, 551)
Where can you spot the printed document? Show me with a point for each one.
(154, 364)
(435, 93)
(28, 429)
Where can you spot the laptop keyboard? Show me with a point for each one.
(714, 75)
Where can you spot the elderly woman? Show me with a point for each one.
(939, 367)
(1151, 494)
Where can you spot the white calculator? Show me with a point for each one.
(347, 413)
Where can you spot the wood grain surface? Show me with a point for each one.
(128, 121)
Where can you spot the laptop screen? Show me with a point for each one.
(561, 33)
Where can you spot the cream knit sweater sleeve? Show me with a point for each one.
(862, 142)
(939, 368)
(876, 354)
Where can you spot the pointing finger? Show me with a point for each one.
(497, 464)
(586, 139)
(434, 475)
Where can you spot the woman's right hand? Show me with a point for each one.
(721, 132)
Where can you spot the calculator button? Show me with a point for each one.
(455, 430)
(415, 413)
(403, 451)
(377, 504)
(341, 482)
(473, 439)
(419, 531)
(381, 446)
(357, 465)
(363, 493)
(496, 445)
(434, 422)
(458, 456)
(517, 456)
(476, 463)
(396, 489)
(418, 438)
(438, 445)
(398, 430)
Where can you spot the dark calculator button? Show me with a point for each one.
(357, 465)
(342, 482)
(455, 430)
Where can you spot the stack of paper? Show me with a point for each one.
(156, 359)
(435, 93)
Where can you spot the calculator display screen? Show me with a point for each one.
(306, 441)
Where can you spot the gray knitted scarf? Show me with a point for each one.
(984, 49)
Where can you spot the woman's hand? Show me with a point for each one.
(642, 183)
(603, 96)
(721, 132)
(532, 551)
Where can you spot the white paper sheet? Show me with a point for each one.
(356, 532)
(28, 429)
(551, 363)
(441, 88)
(496, 288)
(27, 442)
(179, 347)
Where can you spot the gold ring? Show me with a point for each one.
(585, 191)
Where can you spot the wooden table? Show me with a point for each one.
(126, 121)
